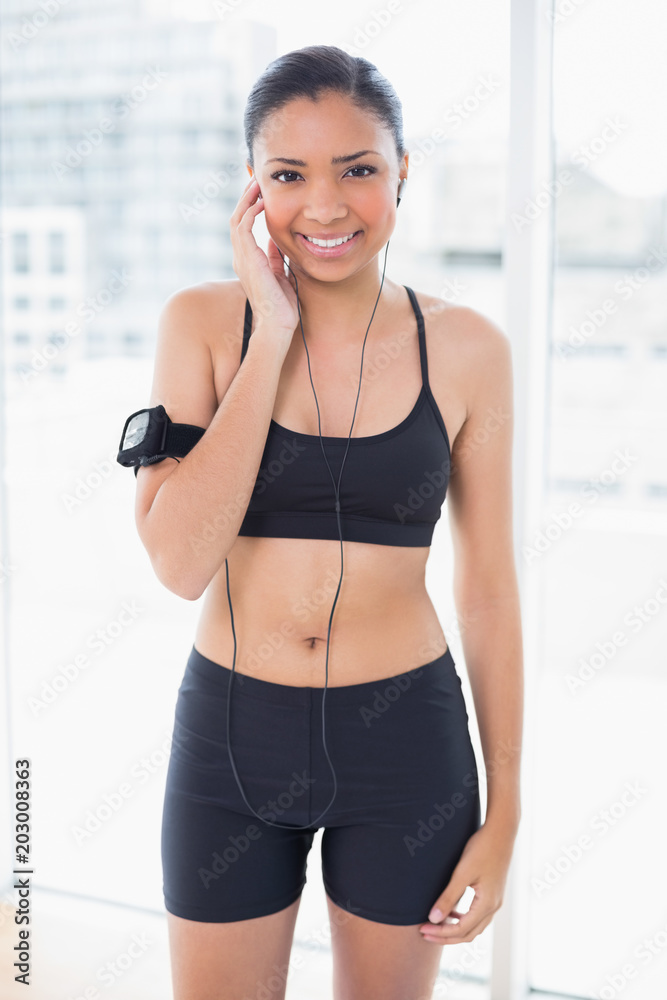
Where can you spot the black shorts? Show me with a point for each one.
(407, 793)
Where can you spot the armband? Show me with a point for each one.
(149, 436)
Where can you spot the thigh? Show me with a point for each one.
(220, 861)
(219, 865)
(411, 796)
(376, 961)
(225, 961)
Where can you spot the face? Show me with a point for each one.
(326, 200)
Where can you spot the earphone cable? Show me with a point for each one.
(340, 532)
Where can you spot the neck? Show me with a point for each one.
(340, 311)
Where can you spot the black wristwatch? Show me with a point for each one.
(149, 436)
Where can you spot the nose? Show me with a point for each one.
(325, 205)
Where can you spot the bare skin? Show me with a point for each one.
(384, 621)
(371, 961)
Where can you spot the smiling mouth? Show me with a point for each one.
(325, 249)
(334, 242)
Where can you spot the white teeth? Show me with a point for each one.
(329, 243)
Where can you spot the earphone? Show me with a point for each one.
(401, 187)
(288, 826)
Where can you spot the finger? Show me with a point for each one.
(446, 934)
(249, 192)
(447, 904)
(250, 214)
(431, 926)
(449, 899)
(255, 207)
(275, 254)
(275, 261)
(453, 933)
(462, 938)
(245, 195)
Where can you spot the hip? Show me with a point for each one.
(399, 740)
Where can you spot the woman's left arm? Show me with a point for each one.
(486, 595)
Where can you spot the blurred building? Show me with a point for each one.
(42, 256)
(135, 123)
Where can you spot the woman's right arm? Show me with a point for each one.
(188, 512)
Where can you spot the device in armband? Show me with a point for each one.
(150, 436)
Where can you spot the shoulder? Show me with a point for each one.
(211, 293)
(213, 310)
(470, 329)
(466, 350)
(471, 332)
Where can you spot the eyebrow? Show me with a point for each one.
(334, 159)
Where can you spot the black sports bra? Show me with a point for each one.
(393, 484)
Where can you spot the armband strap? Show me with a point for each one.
(149, 436)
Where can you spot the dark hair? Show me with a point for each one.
(318, 69)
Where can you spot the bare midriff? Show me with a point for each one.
(282, 592)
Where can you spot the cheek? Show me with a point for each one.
(279, 215)
(373, 207)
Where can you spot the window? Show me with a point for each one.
(56, 253)
(20, 252)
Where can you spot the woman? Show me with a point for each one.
(248, 516)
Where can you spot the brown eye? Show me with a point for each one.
(281, 173)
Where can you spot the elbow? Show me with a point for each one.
(180, 566)
(178, 580)
(178, 577)
(177, 571)
(187, 593)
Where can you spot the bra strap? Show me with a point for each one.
(422, 337)
(247, 327)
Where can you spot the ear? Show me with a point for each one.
(403, 169)
(252, 174)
